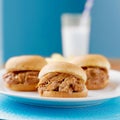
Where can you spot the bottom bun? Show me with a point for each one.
(21, 87)
(84, 93)
(97, 86)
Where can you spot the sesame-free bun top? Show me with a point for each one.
(26, 62)
(63, 67)
(92, 60)
(55, 57)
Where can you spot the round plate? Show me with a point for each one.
(94, 96)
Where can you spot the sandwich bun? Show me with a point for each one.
(62, 67)
(91, 60)
(26, 62)
(22, 72)
(96, 67)
(21, 87)
(84, 93)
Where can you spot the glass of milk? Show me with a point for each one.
(75, 35)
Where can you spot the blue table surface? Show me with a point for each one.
(12, 110)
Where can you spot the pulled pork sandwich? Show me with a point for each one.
(62, 79)
(22, 72)
(96, 68)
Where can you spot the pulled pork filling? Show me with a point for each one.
(21, 77)
(60, 82)
(96, 75)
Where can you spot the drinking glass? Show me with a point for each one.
(75, 35)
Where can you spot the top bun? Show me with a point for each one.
(26, 62)
(92, 60)
(55, 58)
(63, 67)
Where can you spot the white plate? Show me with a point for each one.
(94, 96)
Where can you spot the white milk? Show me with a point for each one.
(75, 35)
(75, 40)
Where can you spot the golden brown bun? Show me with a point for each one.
(63, 67)
(84, 93)
(51, 60)
(21, 87)
(55, 58)
(90, 60)
(27, 62)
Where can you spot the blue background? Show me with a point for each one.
(33, 26)
(105, 32)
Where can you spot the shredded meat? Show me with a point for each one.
(21, 77)
(95, 75)
(60, 82)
